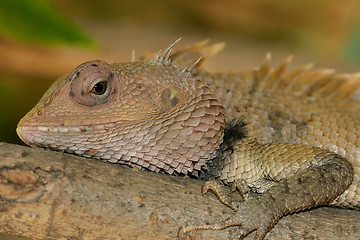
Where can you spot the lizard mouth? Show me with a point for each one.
(38, 136)
(28, 134)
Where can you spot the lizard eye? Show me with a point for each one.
(92, 83)
(99, 88)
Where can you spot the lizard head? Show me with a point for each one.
(147, 114)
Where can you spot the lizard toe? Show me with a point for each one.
(218, 190)
(254, 217)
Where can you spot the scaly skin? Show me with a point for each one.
(290, 177)
(279, 108)
(298, 146)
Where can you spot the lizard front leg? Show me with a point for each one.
(301, 177)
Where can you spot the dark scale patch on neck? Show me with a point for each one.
(235, 130)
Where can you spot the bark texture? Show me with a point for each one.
(51, 195)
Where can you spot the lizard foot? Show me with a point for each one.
(217, 189)
(251, 215)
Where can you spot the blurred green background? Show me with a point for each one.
(41, 40)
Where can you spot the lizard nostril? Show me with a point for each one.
(40, 112)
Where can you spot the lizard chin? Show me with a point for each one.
(23, 134)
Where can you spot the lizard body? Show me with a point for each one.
(276, 110)
(297, 144)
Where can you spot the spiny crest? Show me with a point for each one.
(189, 70)
(163, 58)
(303, 81)
(188, 58)
(133, 58)
(191, 57)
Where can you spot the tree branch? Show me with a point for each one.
(51, 195)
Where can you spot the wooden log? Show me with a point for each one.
(52, 195)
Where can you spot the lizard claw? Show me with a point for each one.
(218, 190)
(186, 229)
(214, 186)
(242, 187)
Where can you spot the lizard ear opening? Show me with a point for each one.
(170, 97)
(92, 83)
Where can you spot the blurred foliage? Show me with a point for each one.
(320, 26)
(353, 51)
(38, 21)
(13, 91)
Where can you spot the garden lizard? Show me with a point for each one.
(286, 141)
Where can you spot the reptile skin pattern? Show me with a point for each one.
(292, 138)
